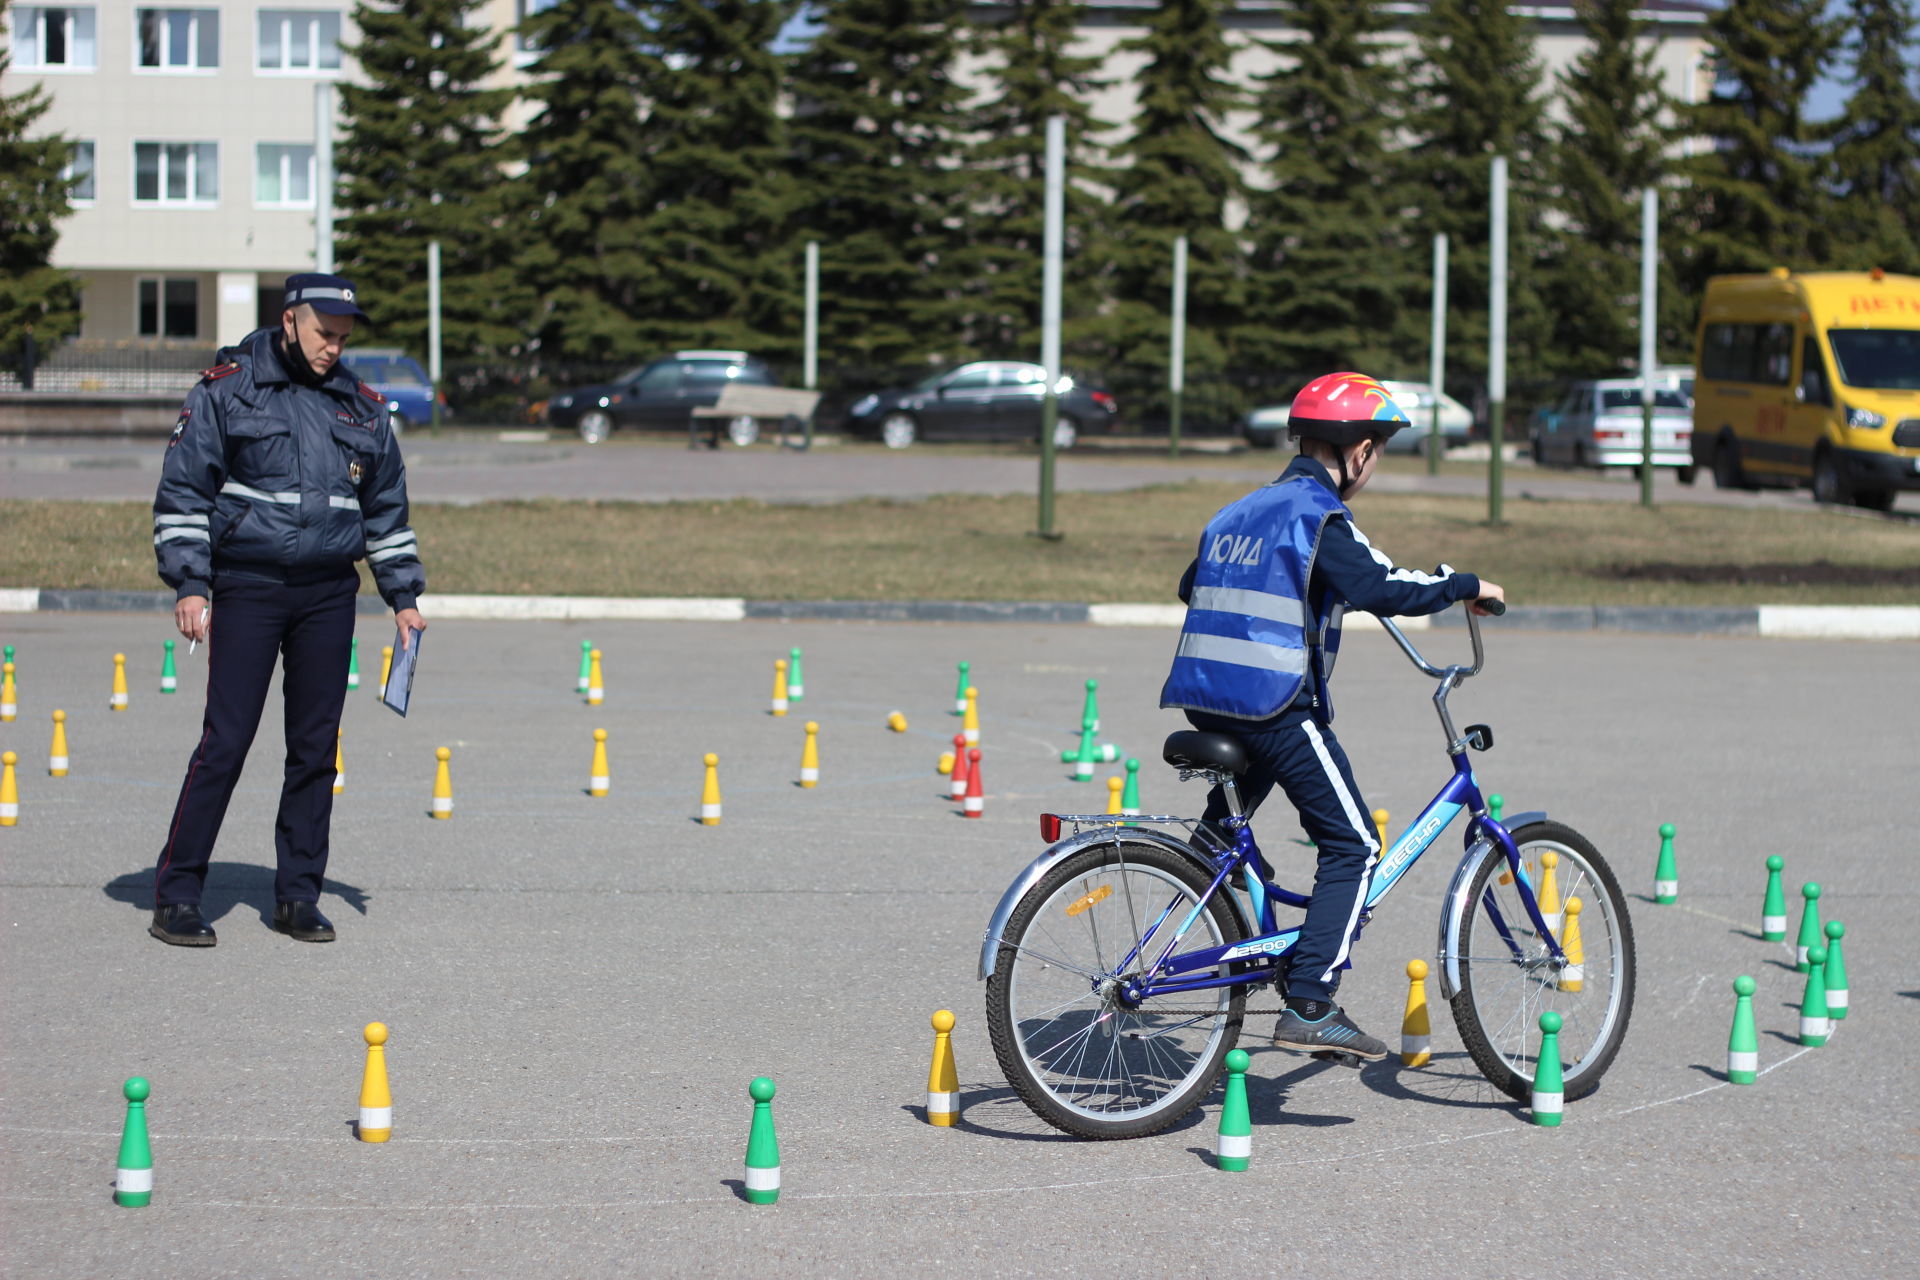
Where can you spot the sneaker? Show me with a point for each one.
(1334, 1032)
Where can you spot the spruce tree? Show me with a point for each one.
(1034, 77)
(588, 184)
(1876, 155)
(1607, 151)
(1480, 98)
(33, 198)
(877, 180)
(1754, 196)
(1331, 269)
(722, 273)
(1174, 175)
(420, 160)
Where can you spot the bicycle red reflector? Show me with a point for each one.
(1050, 827)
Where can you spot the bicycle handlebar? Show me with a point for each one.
(1494, 607)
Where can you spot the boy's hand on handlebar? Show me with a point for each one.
(1491, 601)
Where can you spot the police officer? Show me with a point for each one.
(281, 473)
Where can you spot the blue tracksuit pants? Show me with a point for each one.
(1297, 752)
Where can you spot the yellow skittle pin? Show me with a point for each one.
(943, 1079)
(57, 753)
(118, 701)
(376, 1100)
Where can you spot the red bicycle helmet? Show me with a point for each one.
(1344, 409)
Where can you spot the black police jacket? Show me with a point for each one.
(265, 477)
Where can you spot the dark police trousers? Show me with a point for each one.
(310, 625)
(1297, 752)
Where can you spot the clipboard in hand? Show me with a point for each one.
(399, 689)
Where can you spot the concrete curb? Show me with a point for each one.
(1796, 622)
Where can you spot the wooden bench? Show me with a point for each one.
(744, 407)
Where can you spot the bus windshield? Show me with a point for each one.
(1884, 359)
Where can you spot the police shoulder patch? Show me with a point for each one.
(219, 371)
(371, 394)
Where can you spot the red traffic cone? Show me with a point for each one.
(976, 802)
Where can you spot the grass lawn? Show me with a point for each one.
(1118, 546)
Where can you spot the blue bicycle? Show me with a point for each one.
(1118, 963)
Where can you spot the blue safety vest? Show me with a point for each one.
(1249, 642)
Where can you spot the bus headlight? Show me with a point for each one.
(1866, 418)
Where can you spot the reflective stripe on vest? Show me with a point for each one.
(1246, 645)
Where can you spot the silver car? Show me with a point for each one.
(1598, 424)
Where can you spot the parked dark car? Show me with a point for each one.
(661, 394)
(399, 377)
(984, 400)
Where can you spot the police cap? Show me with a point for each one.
(328, 294)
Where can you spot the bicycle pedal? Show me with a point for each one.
(1341, 1059)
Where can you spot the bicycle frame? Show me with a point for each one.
(1256, 959)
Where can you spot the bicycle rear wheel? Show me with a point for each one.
(1507, 980)
(1083, 1061)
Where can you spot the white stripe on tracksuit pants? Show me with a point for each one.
(1302, 756)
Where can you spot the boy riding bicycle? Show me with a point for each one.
(1264, 598)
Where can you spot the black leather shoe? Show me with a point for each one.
(303, 921)
(179, 924)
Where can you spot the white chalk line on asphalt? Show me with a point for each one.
(941, 1193)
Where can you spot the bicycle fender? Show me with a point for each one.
(997, 925)
(1454, 907)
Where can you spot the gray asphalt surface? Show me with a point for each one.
(475, 468)
(579, 990)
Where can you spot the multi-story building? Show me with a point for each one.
(194, 125)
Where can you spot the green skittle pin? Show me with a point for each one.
(1549, 1089)
(353, 663)
(960, 690)
(1743, 1045)
(1815, 1026)
(133, 1184)
(1666, 878)
(1773, 907)
(1835, 977)
(796, 683)
(1809, 926)
(1495, 803)
(1234, 1145)
(1130, 798)
(1092, 710)
(585, 680)
(763, 1149)
(169, 678)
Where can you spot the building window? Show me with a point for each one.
(49, 39)
(170, 308)
(283, 174)
(176, 172)
(179, 39)
(79, 173)
(299, 40)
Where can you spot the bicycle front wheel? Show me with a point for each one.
(1507, 979)
(1083, 1060)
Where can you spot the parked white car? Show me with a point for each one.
(1598, 424)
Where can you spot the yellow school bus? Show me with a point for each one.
(1810, 379)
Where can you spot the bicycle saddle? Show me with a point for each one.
(1192, 749)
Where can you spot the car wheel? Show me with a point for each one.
(1687, 474)
(1829, 486)
(1066, 432)
(898, 430)
(1727, 471)
(595, 425)
(743, 430)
